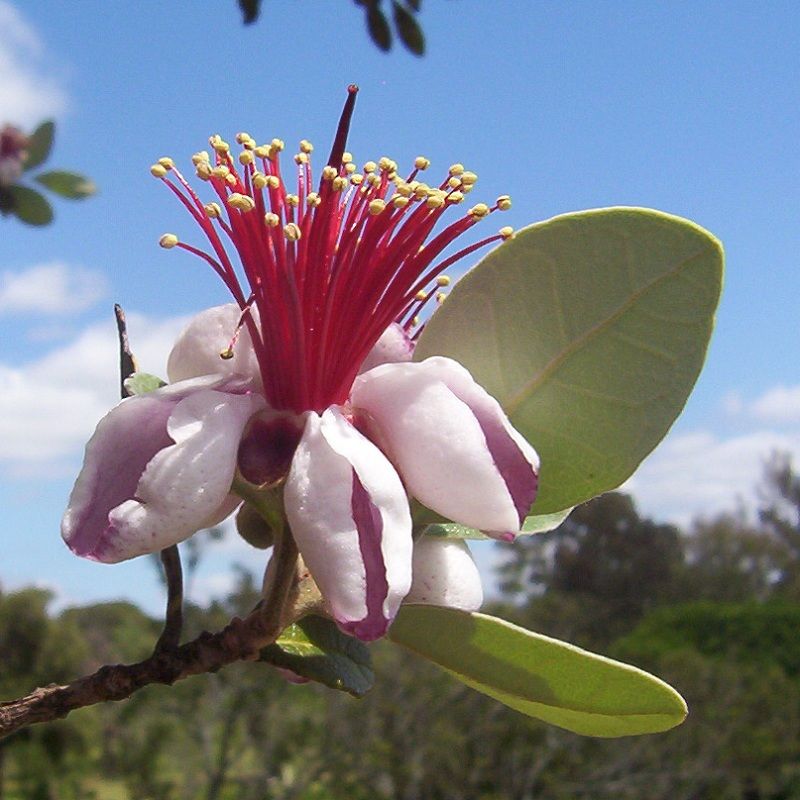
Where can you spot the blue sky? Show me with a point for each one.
(692, 108)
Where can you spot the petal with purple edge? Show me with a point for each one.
(349, 514)
(451, 441)
(158, 468)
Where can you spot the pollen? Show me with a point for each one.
(273, 181)
(507, 232)
(338, 184)
(456, 169)
(306, 146)
(376, 207)
(313, 200)
(504, 202)
(213, 210)
(400, 202)
(241, 202)
(221, 172)
(469, 178)
(301, 158)
(219, 144)
(226, 354)
(443, 280)
(455, 197)
(441, 297)
(292, 200)
(203, 170)
(479, 211)
(370, 166)
(421, 296)
(292, 232)
(271, 220)
(329, 173)
(166, 162)
(168, 241)
(347, 158)
(246, 157)
(259, 180)
(420, 162)
(158, 171)
(200, 158)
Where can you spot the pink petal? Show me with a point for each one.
(349, 515)
(451, 441)
(158, 468)
(197, 350)
(394, 346)
(445, 574)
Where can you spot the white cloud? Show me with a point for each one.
(48, 408)
(781, 404)
(700, 474)
(53, 288)
(28, 93)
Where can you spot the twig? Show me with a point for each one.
(289, 600)
(170, 557)
(173, 619)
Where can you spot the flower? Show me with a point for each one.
(314, 361)
(13, 144)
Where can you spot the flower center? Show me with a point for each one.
(329, 268)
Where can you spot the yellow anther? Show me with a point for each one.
(421, 191)
(456, 169)
(199, 158)
(434, 201)
(415, 321)
(292, 200)
(420, 162)
(291, 232)
(306, 146)
(226, 354)
(230, 180)
(440, 297)
(507, 232)
(347, 158)
(454, 182)
(398, 201)
(203, 170)
(356, 179)
(271, 219)
(246, 157)
(469, 178)
(350, 168)
(370, 166)
(421, 296)
(404, 190)
(455, 197)
(220, 171)
(259, 180)
(504, 202)
(480, 210)
(262, 151)
(168, 241)
(166, 162)
(301, 158)
(241, 202)
(219, 144)
(276, 145)
(273, 181)
(338, 184)
(467, 188)
(376, 207)
(313, 200)
(329, 173)
(443, 280)
(373, 179)
(157, 171)
(243, 138)
(213, 210)
(387, 165)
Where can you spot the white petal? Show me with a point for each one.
(394, 346)
(349, 514)
(197, 349)
(445, 574)
(451, 441)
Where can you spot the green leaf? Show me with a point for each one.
(408, 29)
(40, 142)
(142, 383)
(542, 677)
(30, 206)
(67, 184)
(378, 27)
(590, 329)
(538, 523)
(316, 649)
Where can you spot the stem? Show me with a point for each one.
(173, 622)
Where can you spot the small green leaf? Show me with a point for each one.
(590, 329)
(542, 677)
(408, 29)
(30, 206)
(316, 649)
(67, 184)
(142, 383)
(538, 523)
(40, 142)
(378, 27)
